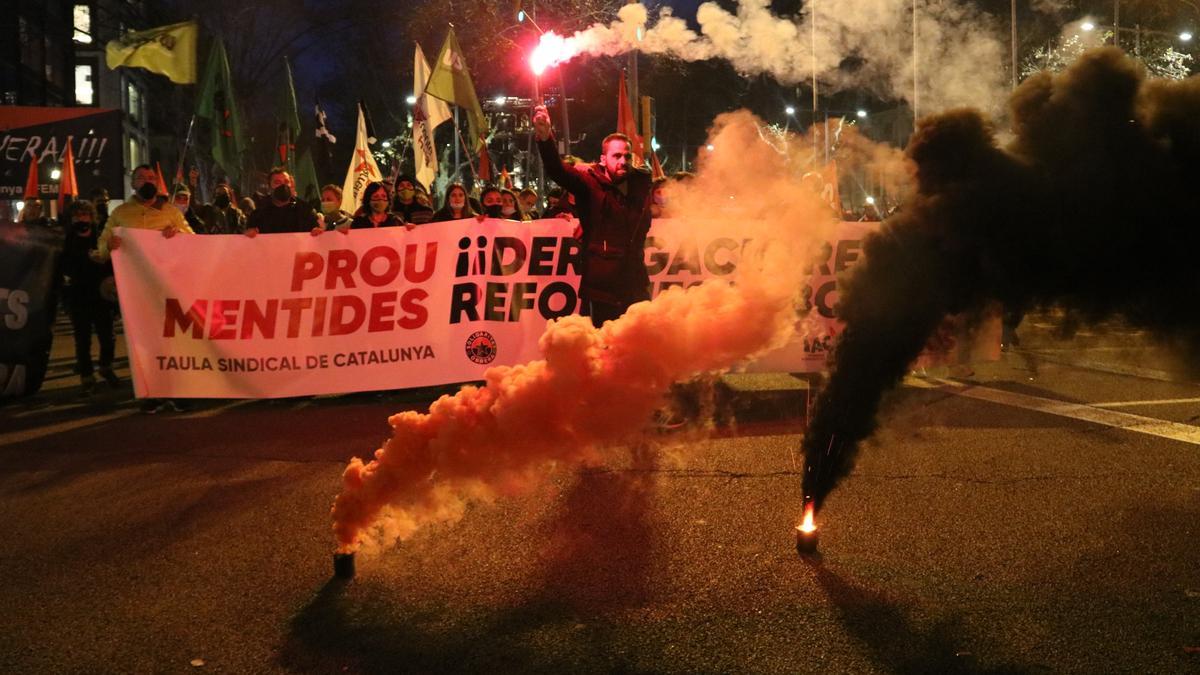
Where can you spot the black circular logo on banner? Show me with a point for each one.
(481, 347)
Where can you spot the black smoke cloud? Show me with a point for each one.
(1091, 208)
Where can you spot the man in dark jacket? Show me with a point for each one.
(282, 213)
(612, 200)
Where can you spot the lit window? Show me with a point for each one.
(133, 102)
(83, 24)
(84, 93)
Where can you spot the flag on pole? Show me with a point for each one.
(656, 170)
(322, 154)
(160, 181)
(166, 50)
(505, 178)
(363, 168)
(32, 183)
(287, 117)
(308, 189)
(485, 162)
(626, 124)
(451, 82)
(66, 179)
(216, 103)
(428, 114)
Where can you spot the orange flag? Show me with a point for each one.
(67, 184)
(626, 124)
(505, 179)
(485, 161)
(31, 184)
(162, 183)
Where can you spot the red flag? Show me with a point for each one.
(485, 161)
(31, 185)
(656, 171)
(505, 179)
(67, 184)
(162, 183)
(626, 124)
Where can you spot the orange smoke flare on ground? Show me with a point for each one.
(594, 389)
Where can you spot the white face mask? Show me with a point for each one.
(182, 207)
(457, 203)
(508, 210)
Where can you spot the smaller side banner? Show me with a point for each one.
(28, 284)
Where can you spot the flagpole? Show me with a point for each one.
(465, 147)
(187, 142)
(459, 133)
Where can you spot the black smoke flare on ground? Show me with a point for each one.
(1091, 209)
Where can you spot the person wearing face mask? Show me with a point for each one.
(374, 212)
(613, 200)
(510, 206)
(492, 203)
(142, 211)
(456, 206)
(331, 209)
(181, 199)
(406, 204)
(89, 311)
(223, 216)
(282, 212)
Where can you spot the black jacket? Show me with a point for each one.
(614, 224)
(83, 275)
(291, 217)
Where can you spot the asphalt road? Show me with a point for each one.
(974, 536)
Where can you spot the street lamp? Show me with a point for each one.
(411, 100)
(1185, 36)
(1087, 26)
(789, 111)
(862, 114)
(55, 174)
(500, 100)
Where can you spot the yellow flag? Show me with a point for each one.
(168, 50)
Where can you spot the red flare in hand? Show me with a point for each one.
(551, 50)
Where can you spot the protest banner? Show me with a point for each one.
(392, 308)
(28, 275)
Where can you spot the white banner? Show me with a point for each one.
(228, 316)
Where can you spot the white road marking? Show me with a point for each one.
(1175, 431)
(1131, 404)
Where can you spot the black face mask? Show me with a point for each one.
(221, 202)
(493, 211)
(282, 194)
(147, 191)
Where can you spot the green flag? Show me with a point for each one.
(451, 82)
(308, 188)
(216, 103)
(287, 119)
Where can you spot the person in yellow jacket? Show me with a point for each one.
(144, 212)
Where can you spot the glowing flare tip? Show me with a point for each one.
(551, 50)
(809, 523)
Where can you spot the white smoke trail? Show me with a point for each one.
(960, 61)
(595, 389)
